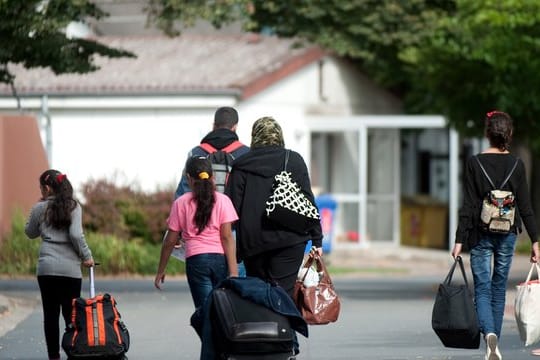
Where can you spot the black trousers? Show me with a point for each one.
(279, 266)
(57, 293)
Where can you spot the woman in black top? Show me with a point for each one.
(269, 251)
(489, 247)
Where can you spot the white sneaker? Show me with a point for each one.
(492, 347)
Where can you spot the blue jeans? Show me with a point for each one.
(490, 287)
(204, 272)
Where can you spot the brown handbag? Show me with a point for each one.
(318, 304)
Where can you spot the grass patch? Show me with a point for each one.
(19, 255)
(336, 271)
(523, 246)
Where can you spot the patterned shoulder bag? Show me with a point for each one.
(288, 206)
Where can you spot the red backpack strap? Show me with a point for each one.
(208, 148)
(232, 146)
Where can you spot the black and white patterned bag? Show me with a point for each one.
(288, 206)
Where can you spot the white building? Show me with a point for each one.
(136, 119)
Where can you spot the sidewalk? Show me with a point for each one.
(408, 261)
(389, 260)
(13, 311)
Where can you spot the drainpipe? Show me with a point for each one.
(322, 97)
(46, 122)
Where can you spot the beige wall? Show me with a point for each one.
(22, 160)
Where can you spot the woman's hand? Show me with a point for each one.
(160, 279)
(456, 251)
(316, 251)
(88, 263)
(535, 254)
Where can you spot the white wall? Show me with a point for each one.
(143, 148)
(144, 141)
(292, 101)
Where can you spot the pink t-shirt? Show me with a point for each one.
(209, 240)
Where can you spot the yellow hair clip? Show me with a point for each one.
(203, 175)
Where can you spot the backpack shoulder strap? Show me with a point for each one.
(208, 148)
(485, 172)
(232, 146)
(510, 174)
(287, 152)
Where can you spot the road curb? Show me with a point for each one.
(4, 305)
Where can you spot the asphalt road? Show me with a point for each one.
(381, 319)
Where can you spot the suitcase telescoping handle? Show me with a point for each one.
(92, 286)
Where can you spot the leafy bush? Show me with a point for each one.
(125, 213)
(128, 257)
(19, 255)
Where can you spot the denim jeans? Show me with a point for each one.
(490, 287)
(204, 272)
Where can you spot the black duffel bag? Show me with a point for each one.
(242, 327)
(454, 318)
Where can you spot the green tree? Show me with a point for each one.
(485, 56)
(371, 32)
(32, 33)
(460, 58)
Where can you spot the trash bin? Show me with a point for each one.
(424, 222)
(327, 208)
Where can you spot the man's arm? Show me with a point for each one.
(183, 186)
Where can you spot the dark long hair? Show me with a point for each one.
(200, 170)
(499, 129)
(58, 213)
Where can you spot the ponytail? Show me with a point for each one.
(200, 171)
(60, 207)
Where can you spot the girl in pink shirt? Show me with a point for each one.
(203, 218)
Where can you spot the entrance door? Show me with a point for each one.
(356, 160)
(336, 168)
(383, 169)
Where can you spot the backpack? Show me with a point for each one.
(222, 161)
(96, 330)
(498, 207)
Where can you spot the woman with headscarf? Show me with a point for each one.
(269, 251)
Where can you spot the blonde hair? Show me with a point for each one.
(266, 132)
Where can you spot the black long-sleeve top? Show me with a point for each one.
(249, 186)
(476, 186)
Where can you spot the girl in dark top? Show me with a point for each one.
(56, 218)
(487, 248)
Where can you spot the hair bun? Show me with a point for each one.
(203, 175)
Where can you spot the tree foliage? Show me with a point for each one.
(486, 56)
(460, 58)
(32, 33)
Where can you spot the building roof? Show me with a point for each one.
(242, 64)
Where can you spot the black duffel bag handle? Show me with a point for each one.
(454, 317)
(448, 279)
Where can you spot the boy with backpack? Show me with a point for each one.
(221, 146)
